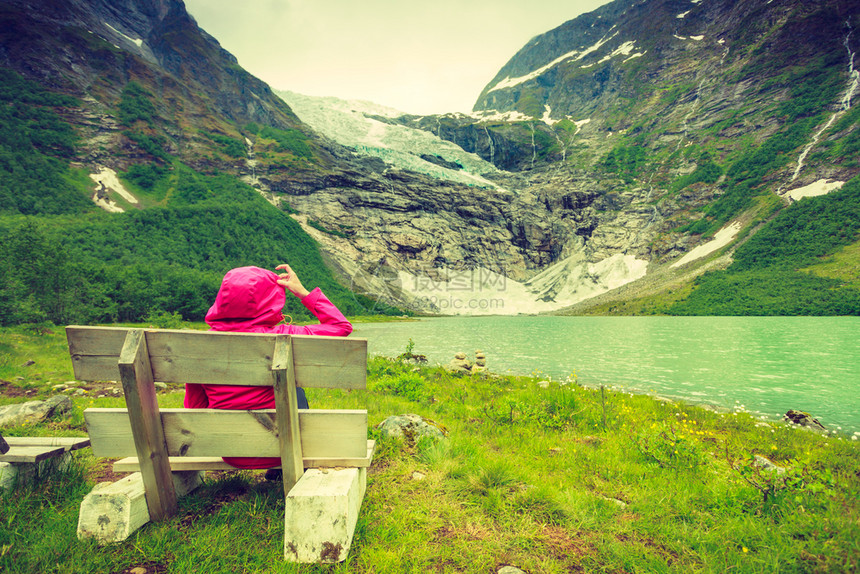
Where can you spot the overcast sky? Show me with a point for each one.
(419, 57)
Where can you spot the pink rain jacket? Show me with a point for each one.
(251, 301)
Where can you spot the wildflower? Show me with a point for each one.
(745, 549)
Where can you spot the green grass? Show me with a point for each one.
(528, 476)
(769, 277)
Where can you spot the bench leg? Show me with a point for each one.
(11, 474)
(321, 513)
(114, 510)
(14, 474)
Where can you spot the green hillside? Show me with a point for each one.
(65, 260)
(774, 273)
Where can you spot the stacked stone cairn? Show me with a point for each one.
(460, 364)
(480, 362)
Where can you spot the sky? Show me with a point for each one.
(423, 57)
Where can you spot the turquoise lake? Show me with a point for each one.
(765, 365)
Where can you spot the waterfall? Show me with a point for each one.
(845, 101)
(534, 150)
(561, 144)
(492, 148)
(853, 74)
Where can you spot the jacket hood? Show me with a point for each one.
(249, 298)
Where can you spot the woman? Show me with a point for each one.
(251, 300)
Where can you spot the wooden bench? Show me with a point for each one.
(22, 459)
(168, 447)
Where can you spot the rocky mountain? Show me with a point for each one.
(625, 152)
(697, 116)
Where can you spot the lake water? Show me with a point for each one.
(766, 365)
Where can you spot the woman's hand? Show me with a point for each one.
(290, 281)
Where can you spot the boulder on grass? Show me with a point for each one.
(411, 428)
(803, 419)
(33, 412)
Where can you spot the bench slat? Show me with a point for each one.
(221, 358)
(212, 432)
(177, 463)
(67, 442)
(31, 453)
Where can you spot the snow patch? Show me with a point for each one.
(820, 187)
(624, 50)
(545, 118)
(580, 123)
(108, 181)
(683, 14)
(510, 82)
(136, 41)
(480, 291)
(574, 55)
(476, 291)
(697, 38)
(574, 279)
(497, 116)
(107, 204)
(722, 238)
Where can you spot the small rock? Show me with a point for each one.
(160, 385)
(803, 419)
(138, 570)
(410, 427)
(543, 384)
(80, 392)
(29, 363)
(510, 570)
(768, 464)
(459, 364)
(417, 475)
(60, 386)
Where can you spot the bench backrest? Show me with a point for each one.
(139, 357)
(221, 358)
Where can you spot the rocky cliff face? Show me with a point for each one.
(93, 47)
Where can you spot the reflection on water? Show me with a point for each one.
(769, 364)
